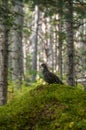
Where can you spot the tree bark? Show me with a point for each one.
(60, 42)
(35, 43)
(4, 56)
(17, 47)
(50, 41)
(70, 44)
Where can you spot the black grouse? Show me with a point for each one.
(50, 77)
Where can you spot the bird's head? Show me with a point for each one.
(44, 66)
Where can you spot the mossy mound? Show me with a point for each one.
(46, 107)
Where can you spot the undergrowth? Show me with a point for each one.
(46, 107)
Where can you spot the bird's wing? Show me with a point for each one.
(55, 78)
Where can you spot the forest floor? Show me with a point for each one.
(46, 107)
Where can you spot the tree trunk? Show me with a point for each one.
(83, 48)
(60, 42)
(35, 43)
(4, 56)
(70, 44)
(50, 41)
(60, 38)
(56, 44)
(17, 47)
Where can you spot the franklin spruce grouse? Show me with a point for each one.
(50, 77)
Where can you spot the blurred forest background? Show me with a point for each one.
(41, 31)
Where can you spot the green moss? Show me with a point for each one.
(46, 107)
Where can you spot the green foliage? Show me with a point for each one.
(80, 11)
(46, 107)
(26, 31)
